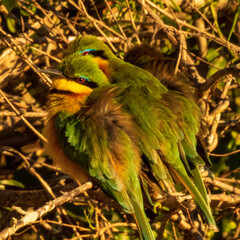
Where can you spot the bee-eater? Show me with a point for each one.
(167, 132)
(180, 93)
(90, 135)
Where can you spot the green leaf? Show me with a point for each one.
(11, 24)
(11, 182)
(10, 4)
(212, 54)
(219, 63)
(228, 225)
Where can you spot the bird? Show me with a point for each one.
(91, 136)
(167, 141)
(180, 93)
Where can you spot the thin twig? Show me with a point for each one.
(22, 117)
(220, 41)
(30, 217)
(224, 154)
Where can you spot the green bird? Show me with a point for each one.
(90, 135)
(167, 134)
(180, 93)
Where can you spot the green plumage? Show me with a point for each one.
(130, 116)
(181, 94)
(167, 120)
(102, 138)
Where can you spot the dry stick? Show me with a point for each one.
(174, 231)
(26, 114)
(164, 223)
(202, 41)
(46, 54)
(48, 188)
(66, 225)
(112, 226)
(52, 9)
(221, 107)
(227, 180)
(200, 58)
(33, 216)
(168, 30)
(40, 179)
(24, 57)
(182, 42)
(97, 210)
(203, 17)
(237, 170)
(34, 172)
(224, 154)
(42, 21)
(180, 219)
(218, 40)
(216, 77)
(132, 22)
(119, 26)
(190, 219)
(229, 123)
(223, 186)
(22, 117)
(237, 232)
(214, 116)
(181, 48)
(8, 197)
(97, 22)
(105, 221)
(120, 224)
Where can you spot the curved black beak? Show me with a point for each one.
(53, 72)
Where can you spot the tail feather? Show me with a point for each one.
(200, 185)
(142, 222)
(200, 200)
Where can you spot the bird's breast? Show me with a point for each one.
(56, 153)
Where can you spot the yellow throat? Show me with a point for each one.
(67, 96)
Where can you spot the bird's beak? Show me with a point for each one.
(62, 85)
(52, 72)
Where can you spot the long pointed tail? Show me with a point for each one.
(200, 185)
(200, 200)
(142, 222)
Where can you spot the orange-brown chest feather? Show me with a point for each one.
(103, 65)
(70, 103)
(59, 158)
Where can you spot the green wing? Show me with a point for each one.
(169, 131)
(179, 128)
(101, 139)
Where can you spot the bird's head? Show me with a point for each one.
(70, 89)
(90, 45)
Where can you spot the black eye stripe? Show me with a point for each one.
(99, 53)
(52, 91)
(86, 83)
(90, 84)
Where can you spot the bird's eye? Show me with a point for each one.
(82, 79)
(86, 51)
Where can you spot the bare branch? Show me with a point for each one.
(31, 217)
